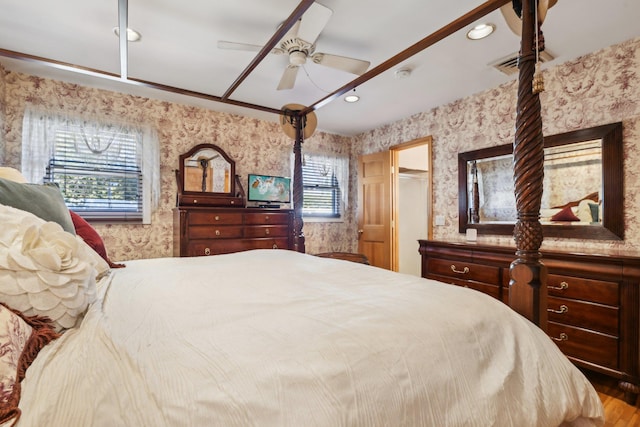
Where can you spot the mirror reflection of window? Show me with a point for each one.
(496, 190)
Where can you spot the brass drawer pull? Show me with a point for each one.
(275, 246)
(463, 271)
(563, 309)
(563, 285)
(266, 231)
(207, 251)
(563, 337)
(217, 218)
(217, 232)
(266, 217)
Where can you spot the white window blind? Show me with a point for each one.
(321, 189)
(325, 186)
(99, 174)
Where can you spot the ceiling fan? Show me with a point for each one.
(299, 44)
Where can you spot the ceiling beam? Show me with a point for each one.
(113, 76)
(267, 48)
(454, 26)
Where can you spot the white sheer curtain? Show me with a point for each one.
(38, 144)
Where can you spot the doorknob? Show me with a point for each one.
(360, 233)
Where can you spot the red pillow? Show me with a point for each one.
(91, 237)
(566, 214)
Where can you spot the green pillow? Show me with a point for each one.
(44, 201)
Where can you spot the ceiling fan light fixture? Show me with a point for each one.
(480, 31)
(297, 57)
(132, 35)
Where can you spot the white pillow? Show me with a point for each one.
(45, 270)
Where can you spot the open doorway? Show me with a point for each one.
(412, 202)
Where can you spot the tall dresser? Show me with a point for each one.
(199, 231)
(593, 300)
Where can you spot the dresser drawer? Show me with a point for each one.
(587, 346)
(212, 247)
(464, 270)
(586, 315)
(276, 243)
(212, 218)
(266, 231)
(485, 288)
(217, 247)
(583, 289)
(259, 218)
(215, 232)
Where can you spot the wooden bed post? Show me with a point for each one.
(298, 122)
(527, 287)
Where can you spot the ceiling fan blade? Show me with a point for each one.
(288, 77)
(293, 31)
(246, 47)
(313, 22)
(350, 65)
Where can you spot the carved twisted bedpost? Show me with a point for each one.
(298, 238)
(527, 287)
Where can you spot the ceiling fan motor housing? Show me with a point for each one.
(297, 49)
(297, 57)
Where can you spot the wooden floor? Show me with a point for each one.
(617, 412)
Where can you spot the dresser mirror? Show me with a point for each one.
(206, 176)
(582, 188)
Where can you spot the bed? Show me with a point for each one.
(280, 338)
(274, 337)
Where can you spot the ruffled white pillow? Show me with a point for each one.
(45, 270)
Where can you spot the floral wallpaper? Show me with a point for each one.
(596, 89)
(256, 146)
(2, 103)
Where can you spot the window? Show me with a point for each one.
(324, 181)
(99, 167)
(99, 175)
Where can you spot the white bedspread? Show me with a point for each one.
(277, 338)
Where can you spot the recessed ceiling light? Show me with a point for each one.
(480, 31)
(132, 35)
(352, 98)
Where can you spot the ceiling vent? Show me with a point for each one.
(509, 64)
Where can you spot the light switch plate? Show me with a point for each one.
(439, 219)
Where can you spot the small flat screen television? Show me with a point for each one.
(267, 189)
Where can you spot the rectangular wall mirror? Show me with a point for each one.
(582, 189)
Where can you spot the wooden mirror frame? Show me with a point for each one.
(612, 227)
(234, 197)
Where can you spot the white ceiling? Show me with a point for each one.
(179, 49)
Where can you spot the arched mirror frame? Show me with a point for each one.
(612, 227)
(235, 195)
